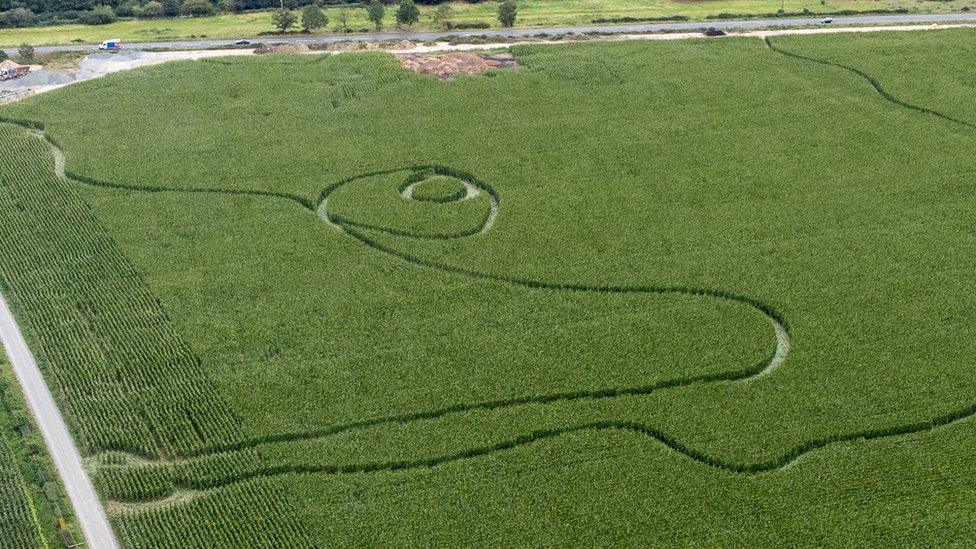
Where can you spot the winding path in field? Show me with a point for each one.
(475, 187)
(360, 230)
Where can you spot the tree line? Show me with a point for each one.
(407, 14)
(313, 18)
(26, 13)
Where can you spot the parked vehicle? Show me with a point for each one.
(111, 45)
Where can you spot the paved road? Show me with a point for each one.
(522, 32)
(88, 509)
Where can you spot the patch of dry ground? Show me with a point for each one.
(448, 65)
(282, 48)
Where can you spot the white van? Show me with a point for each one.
(113, 44)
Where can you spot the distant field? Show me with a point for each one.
(532, 13)
(262, 342)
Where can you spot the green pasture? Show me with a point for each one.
(278, 349)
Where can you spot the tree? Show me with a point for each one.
(283, 19)
(25, 53)
(20, 17)
(228, 6)
(3, 55)
(99, 15)
(171, 8)
(343, 19)
(407, 14)
(197, 8)
(444, 16)
(375, 12)
(128, 8)
(151, 10)
(507, 12)
(313, 18)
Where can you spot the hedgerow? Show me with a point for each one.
(601, 20)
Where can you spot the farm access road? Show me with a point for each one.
(87, 507)
(102, 63)
(725, 25)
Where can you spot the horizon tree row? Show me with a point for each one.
(27, 13)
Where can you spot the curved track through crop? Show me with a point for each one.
(473, 188)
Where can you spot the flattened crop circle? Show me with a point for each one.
(424, 183)
(438, 189)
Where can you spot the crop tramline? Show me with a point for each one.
(117, 340)
(129, 381)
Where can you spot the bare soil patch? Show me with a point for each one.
(448, 65)
(282, 48)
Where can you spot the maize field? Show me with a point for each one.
(33, 510)
(704, 292)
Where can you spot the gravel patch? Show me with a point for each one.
(448, 65)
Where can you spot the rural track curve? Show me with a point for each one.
(355, 230)
(888, 96)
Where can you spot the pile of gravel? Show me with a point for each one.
(282, 48)
(35, 79)
(110, 62)
(102, 63)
